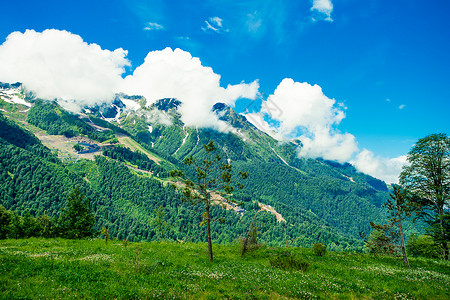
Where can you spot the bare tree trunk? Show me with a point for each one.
(208, 229)
(444, 242)
(405, 258)
(244, 247)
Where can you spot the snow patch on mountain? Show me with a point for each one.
(11, 95)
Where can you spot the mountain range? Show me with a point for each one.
(129, 149)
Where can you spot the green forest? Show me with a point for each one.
(131, 195)
(123, 200)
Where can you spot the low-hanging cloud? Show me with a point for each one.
(304, 112)
(386, 169)
(59, 64)
(176, 74)
(301, 111)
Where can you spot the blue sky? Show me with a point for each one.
(386, 62)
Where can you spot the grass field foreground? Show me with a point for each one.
(57, 268)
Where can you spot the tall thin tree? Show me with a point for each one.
(212, 178)
(400, 208)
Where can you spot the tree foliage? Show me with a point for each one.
(423, 246)
(77, 220)
(428, 178)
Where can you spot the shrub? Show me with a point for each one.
(422, 245)
(319, 249)
(379, 243)
(288, 262)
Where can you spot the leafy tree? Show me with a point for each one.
(30, 226)
(250, 242)
(422, 245)
(159, 221)
(213, 178)
(437, 225)
(46, 226)
(428, 178)
(105, 232)
(78, 147)
(77, 219)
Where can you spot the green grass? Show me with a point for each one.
(128, 142)
(57, 268)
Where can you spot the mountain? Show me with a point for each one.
(338, 193)
(319, 200)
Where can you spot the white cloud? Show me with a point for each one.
(59, 64)
(302, 104)
(214, 24)
(324, 7)
(254, 23)
(159, 117)
(209, 27)
(329, 145)
(176, 74)
(217, 21)
(386, 169)
(304, 112)
(402, 106)
(153, 26)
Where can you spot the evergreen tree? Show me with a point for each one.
(5, 220)
(382, 240)
(77, 219)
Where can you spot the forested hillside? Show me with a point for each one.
(320, 200)
(337, 193)
(124, 200)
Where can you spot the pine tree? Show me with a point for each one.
(77, 219)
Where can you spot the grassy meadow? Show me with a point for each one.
(38, 268)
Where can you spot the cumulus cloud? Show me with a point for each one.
(328, 144)
(402, 106)
(302, 111)
(176, 74)
(302, 104)
(59, 64)
(386, 169)
(153, 26)
(324, 7)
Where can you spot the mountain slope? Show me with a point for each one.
(124, 201)
(302, 190)
(339, 194)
